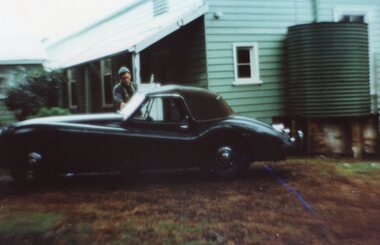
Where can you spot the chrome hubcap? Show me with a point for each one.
(224, 157)
(33, 158)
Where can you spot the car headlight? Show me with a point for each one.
(4, 130)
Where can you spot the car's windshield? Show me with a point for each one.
(132, 104)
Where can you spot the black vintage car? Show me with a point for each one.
(168, 127)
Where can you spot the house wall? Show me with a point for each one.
(92, 72)
(179, 58)
(189, 58)
(266, 23)
(182, 57)
(175, 59)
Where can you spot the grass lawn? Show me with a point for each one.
(303, 201)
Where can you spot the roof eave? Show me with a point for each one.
(148, 41)
(169, 29)
(22, 62)
(103, 20)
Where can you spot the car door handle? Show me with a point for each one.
(184, 126)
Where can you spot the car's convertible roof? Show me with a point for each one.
(203, 105)
(184, 91)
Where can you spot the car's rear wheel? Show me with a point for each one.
(228, 162)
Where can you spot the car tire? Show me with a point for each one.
(227, 162)
(20, 169)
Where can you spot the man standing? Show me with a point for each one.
(124, 90)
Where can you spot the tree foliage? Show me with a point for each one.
(40, 90)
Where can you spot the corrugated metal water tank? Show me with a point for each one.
(328, 69)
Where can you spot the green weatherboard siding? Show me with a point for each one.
(262, 22)
(266, 23)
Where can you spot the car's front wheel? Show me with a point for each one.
(20, 169)
(227, 162)
(32, 164)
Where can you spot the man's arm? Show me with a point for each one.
(118, 98)
(134, 85)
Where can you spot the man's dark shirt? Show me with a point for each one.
(122, 93)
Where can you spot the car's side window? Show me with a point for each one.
(154, 110)
(162, 109)
(146, 110)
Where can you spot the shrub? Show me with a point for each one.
(40, 90)
(48, 112)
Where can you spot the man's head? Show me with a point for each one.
(124, 75)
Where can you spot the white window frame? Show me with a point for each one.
(368, 14)
(103, 73)
(254, 64)
(70, 81)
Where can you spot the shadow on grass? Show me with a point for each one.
(256, 175)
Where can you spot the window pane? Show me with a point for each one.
(74, 94)
(143, 111)
(151, 109)
(243, 55)
(244, 71)
(174, 110)
(156, 110)
(345, 18)
(108, 89)
(107, 66)
(352, 19)
(216, 106)
(357, 18)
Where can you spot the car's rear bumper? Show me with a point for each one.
(276, 150)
